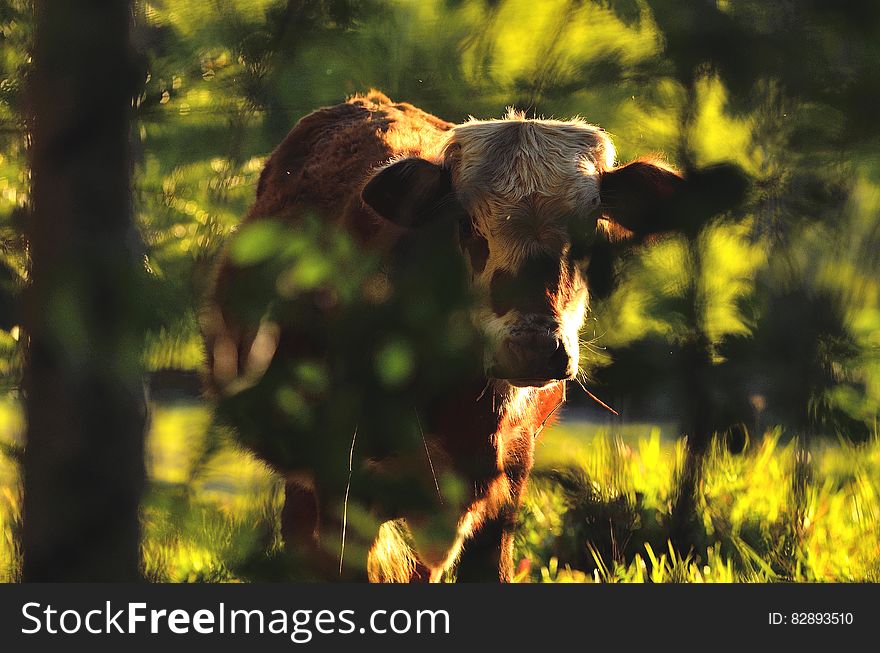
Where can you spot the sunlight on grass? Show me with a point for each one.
(11, 433)
(595, 511)
(209, 504)
(603, 520)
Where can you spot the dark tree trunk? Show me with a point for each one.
(699, 411)
(83, 465)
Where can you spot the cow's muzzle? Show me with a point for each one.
(531, 357)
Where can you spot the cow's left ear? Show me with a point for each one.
(639, 197)
(410, 192)
(644, 198)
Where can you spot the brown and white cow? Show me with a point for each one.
(532, 198)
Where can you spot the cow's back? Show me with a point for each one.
(325, 160)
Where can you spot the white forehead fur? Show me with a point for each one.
(514, 157)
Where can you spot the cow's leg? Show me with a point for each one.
(312, 535)
(423, 574)
(487, 556)
(299, 516)
(300, 528)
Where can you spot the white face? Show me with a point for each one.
(529, 188)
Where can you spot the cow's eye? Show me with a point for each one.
(465, 225)
(473, 244)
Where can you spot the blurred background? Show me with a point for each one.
(742, 359)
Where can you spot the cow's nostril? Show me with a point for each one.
(558, 361)
(545, 345)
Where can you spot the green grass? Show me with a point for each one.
(604, 517)
(597, 508)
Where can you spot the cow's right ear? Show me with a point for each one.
(410, 192)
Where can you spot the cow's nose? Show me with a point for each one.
(533, 344)
(532, 357)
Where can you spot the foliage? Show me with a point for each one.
(782, 291)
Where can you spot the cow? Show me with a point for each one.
(529, 210)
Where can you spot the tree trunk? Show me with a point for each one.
(83, 466)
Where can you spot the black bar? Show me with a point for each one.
(513, 617)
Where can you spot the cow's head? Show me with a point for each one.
(534, 198)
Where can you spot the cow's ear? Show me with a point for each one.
(640, 198)
(644, 198)
(410, 192)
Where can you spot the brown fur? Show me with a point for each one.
(325, 161)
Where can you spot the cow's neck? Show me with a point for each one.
(482, 425)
